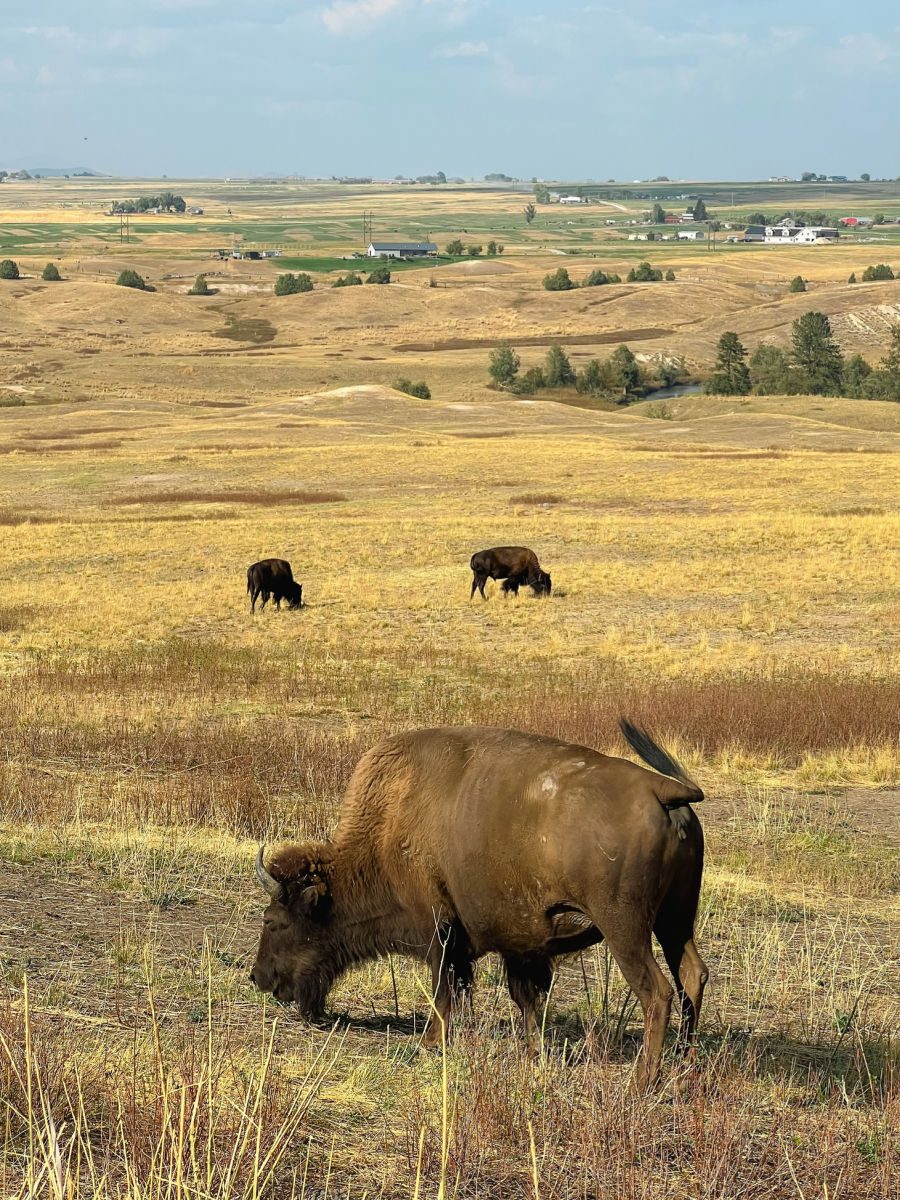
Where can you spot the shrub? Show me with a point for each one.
(131, 279)
(351, 279)
(880, 271)
(529, 383)
(456, 249)
(852, 278)
(50, 273)
(290, 284)
(379, 275)
(8, 269)
(558, 281)
(474, 251)
(420, 389)
(798, 284)
(200, 288)
(670, 275)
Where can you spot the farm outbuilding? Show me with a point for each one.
(401, 249)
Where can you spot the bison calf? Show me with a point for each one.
(273, 577)
(517, 565)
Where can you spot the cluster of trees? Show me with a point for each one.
(351, 279)
(876, 272)
(9, 269)
(814, 366)
(561, 281)
(291, 284)
(166, 201)
(419, 389)
(700, 213)
(619, 377)
(456, 249)
(645, 273)
(131, 279)
(796, 217)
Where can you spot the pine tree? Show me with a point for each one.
(731, 376)
(200, 288)
(889, 368)
(798, 284)
(852, 278)
(770, 371)
(816, 355)
(503, 365)
(700, 213)
(50, 273)
(626, 372)
(558, 370)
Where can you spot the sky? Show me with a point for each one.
(553, 89)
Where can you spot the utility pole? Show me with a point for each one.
(124, 228)
(367, 228)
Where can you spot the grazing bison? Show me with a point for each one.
(273, 577)
(517, 565)
(453, 843)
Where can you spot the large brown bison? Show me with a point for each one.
(517, 565)
(453, 843)
(273, 577)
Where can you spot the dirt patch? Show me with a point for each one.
(187, 496)
(536, 339)
(247, 329)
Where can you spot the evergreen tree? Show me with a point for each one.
(670, 275)
(351, 279)
(770, 371)
(626, 373)
(731, 376)
(530, 382)
(644, 273)
(658, 214)
(596, 278)
(700, 213)
(491, 249)
(852, 278)
(51, 273)
(889, 368)
(379, 275)
(558, 370)
(530, 213)
(9, 269)
(200, 288)
(592, 380)
(854, 377)
(798, 284)
(503, 365)
(817, 356)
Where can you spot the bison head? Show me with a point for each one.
(295, 595)
(293, 960)
(542, 584)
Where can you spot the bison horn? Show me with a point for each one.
(267, 882)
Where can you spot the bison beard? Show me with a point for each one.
(453, 843)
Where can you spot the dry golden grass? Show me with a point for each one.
(730, 576)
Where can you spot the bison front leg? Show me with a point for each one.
(451, 978)
(528, 978)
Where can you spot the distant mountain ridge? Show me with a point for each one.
(59, 172)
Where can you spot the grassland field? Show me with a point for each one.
(724, 569)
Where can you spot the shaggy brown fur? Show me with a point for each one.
(453, 843)
(516, 564)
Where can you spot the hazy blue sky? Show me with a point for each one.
(564, 89)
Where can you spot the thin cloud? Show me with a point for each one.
(356, 16)
(465, 50)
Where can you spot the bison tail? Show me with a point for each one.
(676, 789)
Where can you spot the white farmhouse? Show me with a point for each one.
(401, 249)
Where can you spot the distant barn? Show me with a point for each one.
(401, 249)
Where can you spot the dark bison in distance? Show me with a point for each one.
(453, 843)
(517, 565)
(273, 577)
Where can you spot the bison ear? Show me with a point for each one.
(314, 900)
